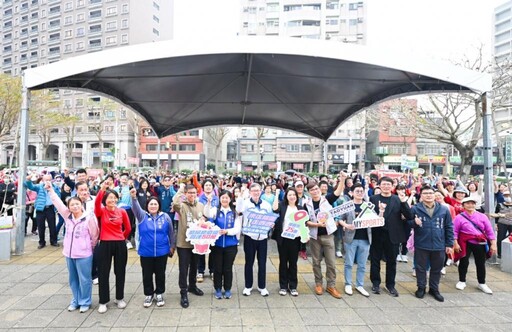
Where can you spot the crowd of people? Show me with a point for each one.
(101, 218)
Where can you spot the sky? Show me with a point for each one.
(443, 29)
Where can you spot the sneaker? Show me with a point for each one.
(102, 308)
(148, 301)
(247, 291)
(339, 254)
(449, 262)
(414, 273)
(294, 292)
(363, 291)
(282, 292)
(34, 233)
(460, 285)
(405, 259)
(72, 307)
(303, 254)
(160, 300)
(95, 281)
(484, 288)
(227, 294)
(84, 308)
(129, 245)
(375, 289)
(120, 303)
(348, 290)
(218, 294)
(399, 258)
(200, 277)
(443, 271)
(263, 291)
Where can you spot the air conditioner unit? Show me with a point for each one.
(283, 146)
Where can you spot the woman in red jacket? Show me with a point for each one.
(114, 230)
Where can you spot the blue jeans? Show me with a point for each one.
(356, 252)
(80, 280)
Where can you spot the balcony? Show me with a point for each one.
(24, 21)
(54, 13)
(303, 14)
(96, 17)
(303, 30)
(24, 46)
(94, 32)
(7, 3)
(24, 35)
(54, 41)
(95, 3)
(54, 27)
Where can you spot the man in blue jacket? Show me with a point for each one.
(433, 237)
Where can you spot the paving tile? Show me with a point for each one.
(134, 316)
(10, 317)
(256, 317)
(38, 318)
(196, 317)
(373, 316)
(226, 317)
(286, 317)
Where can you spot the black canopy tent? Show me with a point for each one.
(308, 86)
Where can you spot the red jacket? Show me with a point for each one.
(114, 225)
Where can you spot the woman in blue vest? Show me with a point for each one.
(156, 243)
(226, 247)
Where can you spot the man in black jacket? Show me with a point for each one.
(7, 194)
(386, 239)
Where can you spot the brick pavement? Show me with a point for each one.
(34, 295)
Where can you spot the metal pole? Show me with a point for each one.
(158, 157)
(488, 173)
(22, 173)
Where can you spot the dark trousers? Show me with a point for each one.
(478, 251)
(94, 272)
(251, 249)
(223, 259)
(34, 222)
(131, 216)
(381, 244)
(153, 266)
(60, 225)
(288, 256)
(106, 251)
(188, 267)
(201, 263)
(48, 215)
(503, 230)
(421, 261)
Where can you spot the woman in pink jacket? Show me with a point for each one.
(81, 237)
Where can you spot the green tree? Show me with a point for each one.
(10, 103)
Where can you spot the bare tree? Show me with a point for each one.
(101, 112)
(314, 146)
(69, 131)
(215, 136)
(10, 103)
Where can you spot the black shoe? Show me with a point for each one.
(375, 289)
(436, 295)
(420, 293)
(196, 291)
(55, 245)
(392, 292)
(184, 301)
(41, 246)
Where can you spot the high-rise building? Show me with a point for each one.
(39, 32)
(341, 21)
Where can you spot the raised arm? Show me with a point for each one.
(139, 213)
(341, 184)
(57, 202)
(275, 204)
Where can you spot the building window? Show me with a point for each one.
(79, 102)
(80, 3)
(95, 14)
(68, 33)
(122, 114)
(78, 130)
(305, 148)
(268, 147)
(112, 25)
(156, 19)
(124, 24)
(67, 48)
(112, 11)
(93, 129)
(194, 132)
(185, 147)
(148, 132)
(80, 31)
(122, 128)
(292, 148)
(156, 32)
(80, 17)
(68, 6)
(331, 148)
(124, 39)
(156, 6)
(80, 46)
(125, 9)
(68, 20)
(112, 40)
(109, 129)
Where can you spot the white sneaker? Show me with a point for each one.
(263, 292)
(199, 277)
(484, 288)
(460, 285)
(363, 291)
(414, 272)
(102, 308)
(129, 245)
(72, 307)
(443, 271)
(449, 262)
(95, 281)
(405, 259)
(282, 292)
(339, 254)
(120, 304)
(247, 291)
(348, 290)
(399, 258)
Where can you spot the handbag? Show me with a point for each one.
(487, 241)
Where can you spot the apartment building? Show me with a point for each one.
(39, 32)
(336, 20)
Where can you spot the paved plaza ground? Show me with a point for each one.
(34, 295)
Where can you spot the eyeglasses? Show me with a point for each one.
(191, 193)
(427, 193)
